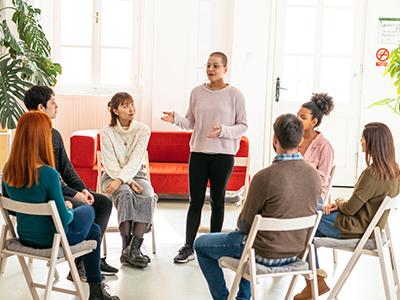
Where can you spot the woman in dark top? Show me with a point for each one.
(29, 176)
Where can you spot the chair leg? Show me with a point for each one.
(104, 242)
(153, 236)
(393, 261)
(253, 274)
(236, 282)
(314, 282)
(52, 267)
(343, 277)
(289, 293)
(3, 258)
(28, 278)
(334, 254)
(76, 279)
(382, 255)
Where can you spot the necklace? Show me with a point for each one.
(125, 139)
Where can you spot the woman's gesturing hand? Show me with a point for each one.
(113, 185)
(169, 117)
(216, 132)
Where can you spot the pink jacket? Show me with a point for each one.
(320, 155)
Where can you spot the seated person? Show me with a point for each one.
(123, 145)
(42, 98)
(381, 178)
(315, 148)
(289, 188)
(29, 176)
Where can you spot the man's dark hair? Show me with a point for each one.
(36, 95)
(289, 131)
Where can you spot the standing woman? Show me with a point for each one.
(349, 219)
(217, 116)
(29, 176)
(123, 146)
(315, 148)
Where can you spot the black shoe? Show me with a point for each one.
(106, 269)
(81, 271)
(98, 292)
(144, 255)
(185, 255)
(132, 255)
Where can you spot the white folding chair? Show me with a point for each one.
(99, 190)
(247, 267)
(60, 252)
(380, 245)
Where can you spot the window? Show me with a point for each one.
(96, 42)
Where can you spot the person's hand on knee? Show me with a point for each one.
(136, 187)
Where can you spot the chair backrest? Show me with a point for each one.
(36, 209)
(273, 224)
(100, 169)
(387, 204)
(328, 193)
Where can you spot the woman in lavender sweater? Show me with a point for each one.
(217, 116)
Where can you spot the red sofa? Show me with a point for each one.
(168, 157)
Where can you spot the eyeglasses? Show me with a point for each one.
(215, 66)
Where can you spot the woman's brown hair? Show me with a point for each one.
(380, 152)
(117, 100)
(32, 146)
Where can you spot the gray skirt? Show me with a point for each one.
(138, 208)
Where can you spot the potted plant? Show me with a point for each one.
(393, 69)
(25, 59)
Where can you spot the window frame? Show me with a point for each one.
(95, 87)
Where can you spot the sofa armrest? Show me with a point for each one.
(83, 148)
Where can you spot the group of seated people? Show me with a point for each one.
(294, 185)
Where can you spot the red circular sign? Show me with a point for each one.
(382, 54)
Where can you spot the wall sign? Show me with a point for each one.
(389, 31)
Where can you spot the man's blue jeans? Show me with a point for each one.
(83, 228)
(210, 248)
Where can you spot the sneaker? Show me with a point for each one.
(81, 271)
(185, 255)
(106, 269)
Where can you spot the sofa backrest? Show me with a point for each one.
(169, 146)
(164, 146)
(84, 145)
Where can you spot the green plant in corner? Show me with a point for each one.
(393, 69)
(25, 60)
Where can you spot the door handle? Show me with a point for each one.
(278, 89)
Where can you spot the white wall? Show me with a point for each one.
(376, 86)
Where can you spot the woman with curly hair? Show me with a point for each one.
(315, 148)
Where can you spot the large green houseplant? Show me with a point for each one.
(25, 59)
(392, 69)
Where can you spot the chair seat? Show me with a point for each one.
(233, 263)
(343, 244)
(16, 246)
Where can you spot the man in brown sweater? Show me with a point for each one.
(289, 188)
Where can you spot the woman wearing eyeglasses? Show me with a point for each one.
(217, 116)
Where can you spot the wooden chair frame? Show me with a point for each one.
(59, 241)
(99, 190)
(384, 251)
(247, 264)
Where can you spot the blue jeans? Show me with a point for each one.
(82, 228)
(210, 248)
(327, 228)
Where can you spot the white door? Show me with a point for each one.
(318, 48)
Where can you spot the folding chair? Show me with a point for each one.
(99, 190)
(60, 252)
(380, 245)
(247, 267)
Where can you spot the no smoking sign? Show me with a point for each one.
(382, 56)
